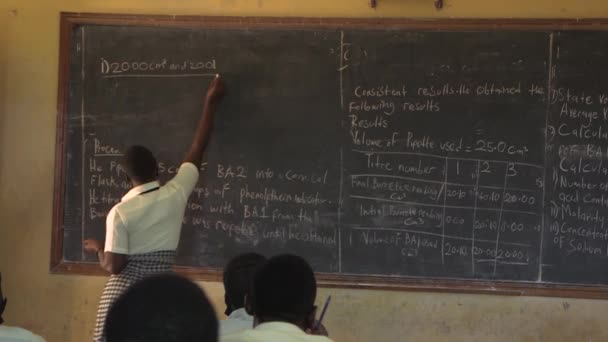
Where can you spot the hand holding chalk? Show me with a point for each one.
(216, 90)
(318, 330)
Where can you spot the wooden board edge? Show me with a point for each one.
(434, 24)
(60, 136)
(429, 285)
(68, 20)
(78, 268)
(504, 288)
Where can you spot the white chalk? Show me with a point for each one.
(217, 75)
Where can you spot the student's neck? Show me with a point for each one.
(270, 319)
(136, 184)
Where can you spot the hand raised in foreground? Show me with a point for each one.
(92, 246)
(216, 91)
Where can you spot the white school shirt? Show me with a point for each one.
(238, 320)
(150, 222)
(274, 332)
(14, 334)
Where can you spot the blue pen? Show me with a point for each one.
(323, 312)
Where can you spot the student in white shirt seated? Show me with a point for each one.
(282, 302)
(238, 281)
(162, 308)
(13, 334)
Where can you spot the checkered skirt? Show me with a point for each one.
(138, 267)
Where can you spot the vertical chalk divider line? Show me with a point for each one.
(502, 206)
(341, 186)
(341, 69)
(340, 210)
(547, 113)
(83, 140)
(445, 192)
(476, 193)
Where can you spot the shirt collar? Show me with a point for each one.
(280, 326)
(240, 314)
(139, 189)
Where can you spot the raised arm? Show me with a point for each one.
(205, 124)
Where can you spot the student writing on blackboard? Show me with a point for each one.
(142, 231)
(238, 278)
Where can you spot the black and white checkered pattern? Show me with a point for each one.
(138, 267)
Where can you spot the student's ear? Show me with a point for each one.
(228, 310)
(248, 305)
(2, 307)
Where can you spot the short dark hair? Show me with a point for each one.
(140, 164)
(167, 308)
(238, 279)
(285, 288)
(2, 301)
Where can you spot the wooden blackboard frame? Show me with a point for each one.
(69, 20)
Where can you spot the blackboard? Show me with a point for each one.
(444, 155)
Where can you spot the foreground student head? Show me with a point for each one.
(2, 301)
(165, 308)
(238, 282)
(8, 333)
(282, 302)
(285, 290)
(238, 279)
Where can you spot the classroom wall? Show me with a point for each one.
(62, 307)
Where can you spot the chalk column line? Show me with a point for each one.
(502, 206)
(340, 211)
(341, 69)
(83, 140)
(548, 99)
(341, 187)
(476, 192)
(445, 196)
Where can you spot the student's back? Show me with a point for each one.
(143, 229)
(14, 334)
(274, 332)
